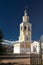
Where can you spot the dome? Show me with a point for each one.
(25, 17)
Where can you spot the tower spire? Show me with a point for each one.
(25, 17)
(25, 11)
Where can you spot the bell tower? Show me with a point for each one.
(25, 28)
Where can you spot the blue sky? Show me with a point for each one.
(11, 12)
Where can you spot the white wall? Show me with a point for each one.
(19, 49)
(35, 47)
(25, 50)
(16, 48)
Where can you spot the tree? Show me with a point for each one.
(1, 47)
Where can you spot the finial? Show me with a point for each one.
(25, 12)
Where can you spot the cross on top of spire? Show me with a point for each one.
(25, 11)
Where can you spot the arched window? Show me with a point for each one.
(24, 27)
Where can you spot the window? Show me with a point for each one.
(34, 49)
(24, 27)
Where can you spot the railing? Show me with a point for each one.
(35, 59)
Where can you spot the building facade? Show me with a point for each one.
(35, 47)
(24, 42)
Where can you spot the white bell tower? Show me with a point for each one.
(25, 28)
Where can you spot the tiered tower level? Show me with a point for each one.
(25, 29)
